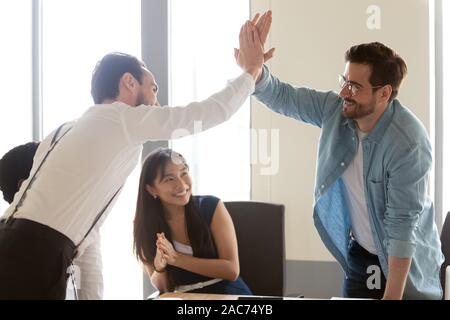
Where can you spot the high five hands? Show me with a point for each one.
(253, 35)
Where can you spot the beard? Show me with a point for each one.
(353, 110)
(140, 99)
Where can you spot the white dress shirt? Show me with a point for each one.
(92, 161)
(88, 270)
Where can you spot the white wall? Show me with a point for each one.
(311, 38)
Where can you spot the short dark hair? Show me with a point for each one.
(16, 165)
(109, 70)
(387, 66)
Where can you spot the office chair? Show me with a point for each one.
(445, 246)
(260, 236)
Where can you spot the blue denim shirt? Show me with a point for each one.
(397, 159)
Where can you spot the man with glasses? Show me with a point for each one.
(372, 208)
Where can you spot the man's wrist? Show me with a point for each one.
(256, 74)
(391, 297)
(260, 75)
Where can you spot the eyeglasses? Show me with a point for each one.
(352, 87)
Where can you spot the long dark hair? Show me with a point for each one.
(150, 219)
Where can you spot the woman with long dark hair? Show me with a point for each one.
(187, 243)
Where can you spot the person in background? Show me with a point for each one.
(187, 243)
(15, 166)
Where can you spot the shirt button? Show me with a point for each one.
(322, 186)
(353, 138)
(342, 164)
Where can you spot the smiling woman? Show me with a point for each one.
(187, 243)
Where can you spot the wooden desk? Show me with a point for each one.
(197, 296)
(209, 296)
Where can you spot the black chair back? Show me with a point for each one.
(260, 235)
(445, 246)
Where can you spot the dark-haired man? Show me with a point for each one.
(15, 166)
(80, 169)
(372, 208)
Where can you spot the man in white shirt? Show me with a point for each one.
(79, 170)
(15, 168)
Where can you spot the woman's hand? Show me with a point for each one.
(168, 252)
(159, 263)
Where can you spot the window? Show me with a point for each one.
(203, 34)
(446, 103)
(15, 64)
(76, 34)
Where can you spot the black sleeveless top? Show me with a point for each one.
(207, 206)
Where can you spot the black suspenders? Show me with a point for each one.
(30, 182)
(53, 144)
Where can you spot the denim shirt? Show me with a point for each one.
(397, 159)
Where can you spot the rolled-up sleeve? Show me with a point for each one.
(406, 199)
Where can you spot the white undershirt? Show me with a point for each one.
(93, 160)
(356, 199)
(183, 248)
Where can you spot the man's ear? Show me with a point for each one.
(128, 81)
(386, 92)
